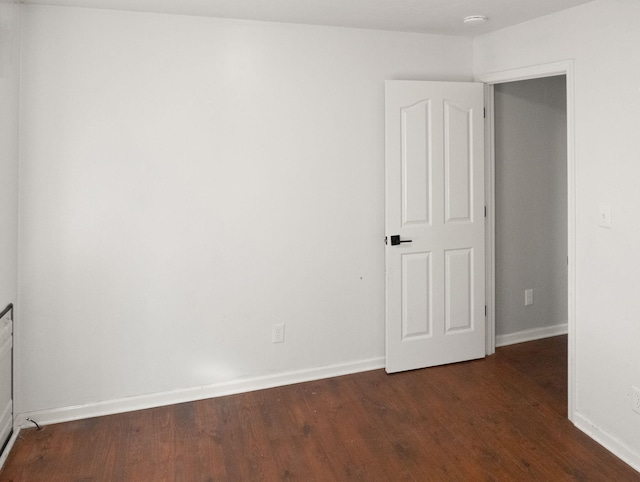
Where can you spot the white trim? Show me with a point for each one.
(531, 72)
(624, 452)
(490, 221)
(109, 407)
(525, 73)
(530, 335)
(9, 446)
(571, 236)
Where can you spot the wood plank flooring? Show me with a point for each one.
(498, 419)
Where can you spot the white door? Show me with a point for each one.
(6, 397)
(435, 307)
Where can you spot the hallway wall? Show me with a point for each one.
(531, 204)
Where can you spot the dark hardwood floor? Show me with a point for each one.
(498, 419)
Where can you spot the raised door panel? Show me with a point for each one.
(459, 290)
(416, 164)
(416, 295)
(458, 162)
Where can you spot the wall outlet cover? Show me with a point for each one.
(277, 334)
(635, 399)
(528, 297)
(604, 216)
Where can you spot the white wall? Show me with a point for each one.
(9, 94)
(188, 182)
(602, 38)
(531, 204)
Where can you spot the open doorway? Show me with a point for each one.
(564, 73)
(530, 145)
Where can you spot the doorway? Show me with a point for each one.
(564, 69)
(530, 135)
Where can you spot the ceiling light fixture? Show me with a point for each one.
(475, 19)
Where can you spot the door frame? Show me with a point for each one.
(490, 80)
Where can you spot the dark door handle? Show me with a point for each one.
(395, 240)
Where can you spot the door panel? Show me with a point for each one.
(459, 290)
(434, 199)
(458, 163)
(416, 305)
(416, 165)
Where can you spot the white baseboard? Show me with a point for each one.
(616, 447)
(530, 335)
(7, 449)
(109, 407)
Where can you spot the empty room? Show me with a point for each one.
(319, 240)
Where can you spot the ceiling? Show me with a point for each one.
(425, 16)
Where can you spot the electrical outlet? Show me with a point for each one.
(277, 334)
(635, 399)
(528, 297)
(604, 216)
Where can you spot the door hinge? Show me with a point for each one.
(485, 310)
(385, 240)
(485, 211)
(484, 112)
